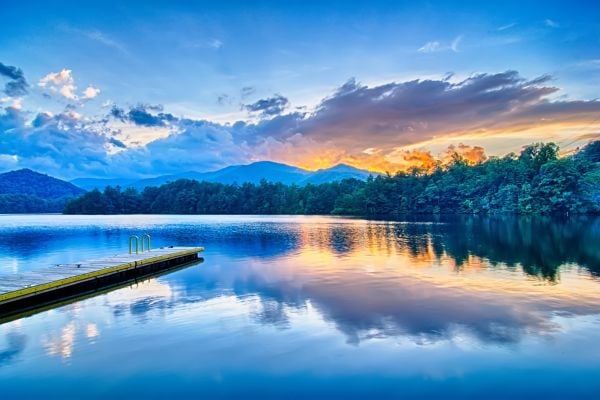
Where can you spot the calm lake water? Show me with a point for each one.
(314, 306)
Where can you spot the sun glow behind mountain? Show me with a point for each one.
(316, 86)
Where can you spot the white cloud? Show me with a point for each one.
(215, 43)
(430, 47)
(68, 92)
(505, 27)
(63, 77)
(435, 46)
(101, 37)
(551, 23)
(63, 83)
(17, 104)
(212, 43)
(455, 43)
(90, 92)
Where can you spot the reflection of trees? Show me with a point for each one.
(539, 245)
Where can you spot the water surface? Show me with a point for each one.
(307, 306)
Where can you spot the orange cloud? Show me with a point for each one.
(471, 154)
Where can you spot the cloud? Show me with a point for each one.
(550, 23)
(215, 43)
(97, 36)
(430, 47)
(471, 154)
(17, 84)
(141, 115)
(63, 77)
(224, 99)
(63, 83)
(269, 107)
(247, 91)
(104, 39)
(455, 43)
(117, 143)
(61, 145)
(505, 27)
(395, 116)
(388, 127)
(435, 46)
(212, 43)
(90, 92)
(68, 92)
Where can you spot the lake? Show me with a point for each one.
(287, 306)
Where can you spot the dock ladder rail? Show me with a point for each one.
(132, 237)
(145, 236)
(145, 239)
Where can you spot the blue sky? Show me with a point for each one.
(147, 88)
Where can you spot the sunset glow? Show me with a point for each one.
(316, 86)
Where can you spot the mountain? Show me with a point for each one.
(252, 173)
(161, 180)
(336, 173)
(101, 183)
(29, 191)
(255, 172)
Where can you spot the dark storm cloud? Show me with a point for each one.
(17, 85)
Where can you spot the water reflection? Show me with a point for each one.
(298, 285)
(15, 344)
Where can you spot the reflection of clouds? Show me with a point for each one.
(272, 312)
(91, 331)
(382, 300)
(386, 279)
(426, 282)
(144, 296)
(61, 345)
(15, 344)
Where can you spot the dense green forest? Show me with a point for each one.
(536, 181)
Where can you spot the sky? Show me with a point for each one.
(140, 89)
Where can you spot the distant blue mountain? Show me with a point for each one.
(336, 173)
(255, 172)
(251, 173)
(100, 183)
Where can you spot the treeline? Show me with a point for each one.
(535, 181)
(23, 203)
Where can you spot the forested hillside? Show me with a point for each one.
(26, 191)
(536, 181)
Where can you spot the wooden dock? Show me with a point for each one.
(20, 292)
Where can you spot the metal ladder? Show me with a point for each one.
(137, 239)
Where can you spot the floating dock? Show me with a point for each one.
(21, 292)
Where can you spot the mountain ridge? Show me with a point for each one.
(27, 191)
(251, 173)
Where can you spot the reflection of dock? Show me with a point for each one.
(36, 288)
